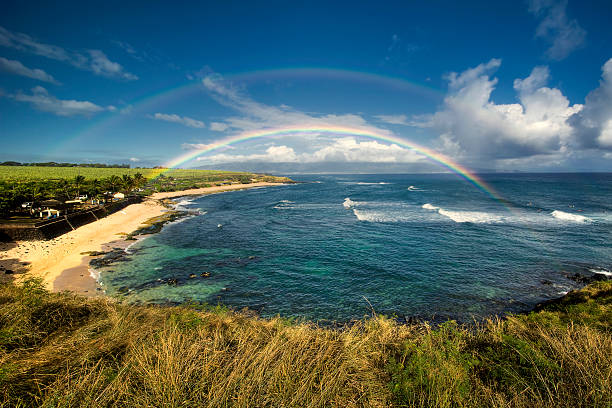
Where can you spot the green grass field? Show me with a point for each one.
(33, 173)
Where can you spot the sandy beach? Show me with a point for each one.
(63, 262)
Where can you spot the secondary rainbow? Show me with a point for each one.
(432, 155)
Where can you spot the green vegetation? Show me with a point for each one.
(21, 184)
(64, 350)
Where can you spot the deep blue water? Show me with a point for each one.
(437, 250)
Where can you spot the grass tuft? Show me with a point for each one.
(62, 350)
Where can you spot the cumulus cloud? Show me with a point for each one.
(17, 68)
(134, 159)
(472, 126)
(92, 60)
(593, 124)
(347, 149)
(183, 120)
(565, 35)
(43, 101)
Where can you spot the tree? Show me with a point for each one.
(128, 182)
(78, 182)
(139, 179)
(113, 182)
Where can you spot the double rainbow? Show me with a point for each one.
(432, 155)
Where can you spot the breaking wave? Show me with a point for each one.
(569, 217)
(476, 217)
(601, 272)
(348, 203)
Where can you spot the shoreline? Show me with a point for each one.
(63, 262)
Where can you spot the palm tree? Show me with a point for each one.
(139, 179)
(78, 182)
(128, 182)
(113, 181)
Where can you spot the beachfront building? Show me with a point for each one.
(118, 196)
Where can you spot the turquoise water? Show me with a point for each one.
(422, 246)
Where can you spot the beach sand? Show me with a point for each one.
(63, 263)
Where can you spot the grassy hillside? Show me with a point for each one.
(64, 350)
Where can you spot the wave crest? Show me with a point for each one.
(561, 215)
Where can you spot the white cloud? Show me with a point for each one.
(134, 159)
(183, 120)
(101, 65)
(17, 68)
(565, 35)
(593, 124)
(393, 119)
(257, 116)
(203, 146)
(218, 126)
(473, 126)
(93, 60)
(347, 149)
(43, 101)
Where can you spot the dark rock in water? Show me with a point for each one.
(225, 289)
(586, 279)
(192, 275)
(545, 282)
(172, 282)
(205, 274)
(8, 272)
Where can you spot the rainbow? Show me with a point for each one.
(432, 155)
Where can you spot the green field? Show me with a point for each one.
(34, 173)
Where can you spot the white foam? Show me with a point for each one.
(127, 249)
(561, 215)
(348, 203)
(284, 205)
(601, 272)
(413, 188)
(376, 216)
(476, 217)
(94, 274)
(363, 183)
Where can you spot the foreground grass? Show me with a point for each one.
(64, 350)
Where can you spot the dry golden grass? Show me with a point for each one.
(60, 350)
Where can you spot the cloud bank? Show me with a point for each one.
(592, 126)
(474, 127)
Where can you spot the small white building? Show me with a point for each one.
(119, 196)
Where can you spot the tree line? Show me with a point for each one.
(14, 194)
(55, 164)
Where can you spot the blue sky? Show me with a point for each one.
(516, 86)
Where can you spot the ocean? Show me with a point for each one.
(334, 248)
